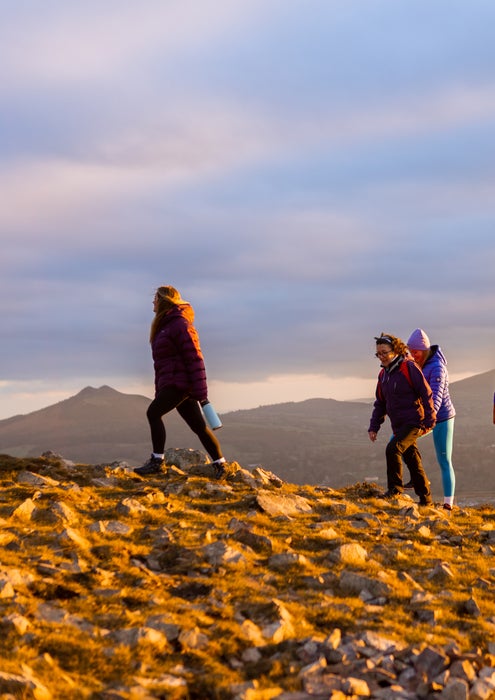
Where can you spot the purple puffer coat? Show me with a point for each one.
(435, 371)
(404, 402)
(177, 356)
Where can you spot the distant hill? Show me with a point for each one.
(95, 425)
(318, 441)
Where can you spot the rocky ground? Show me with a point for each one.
(115, 587)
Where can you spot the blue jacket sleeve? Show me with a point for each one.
(437, 378)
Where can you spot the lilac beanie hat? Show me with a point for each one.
(418, 340)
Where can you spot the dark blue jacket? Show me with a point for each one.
(404, 396)
(435, 371)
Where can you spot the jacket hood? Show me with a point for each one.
(185, 310)
(437, 356)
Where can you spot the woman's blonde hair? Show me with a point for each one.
(167, 297)
(397, 345)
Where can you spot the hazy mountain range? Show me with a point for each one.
(318, 441)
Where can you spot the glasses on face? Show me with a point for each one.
(384, 353)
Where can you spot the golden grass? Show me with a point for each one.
(112, 585)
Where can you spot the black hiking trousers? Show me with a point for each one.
(189, 409)
(402, 446)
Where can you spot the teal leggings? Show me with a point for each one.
(443, 439)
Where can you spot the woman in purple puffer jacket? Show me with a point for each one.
(434, 366)
(180, 378)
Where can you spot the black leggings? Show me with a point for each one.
(189, 409)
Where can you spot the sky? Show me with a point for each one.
(307, 174)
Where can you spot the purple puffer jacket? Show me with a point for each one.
(404, 402)
(177, 356)
(435, 371)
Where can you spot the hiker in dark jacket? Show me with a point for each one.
(433, 364)
(180, 378)
(404, 395)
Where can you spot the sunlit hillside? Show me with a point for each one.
(182, 587)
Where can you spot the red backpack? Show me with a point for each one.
(403, 367)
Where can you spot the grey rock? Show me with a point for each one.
(426, 615)
(352, 554)
(266, 478)
(351, 582)
(487, 674)
(32, 479)
(464, 669)
(6, 590)
(17, 622)
(184, 459)
(251, 655)
(333, 640)
(471, 607)
(218, 553)
(481, 691)
(135, 636)
(22, 686)
(110, 527)
(282, 504)
(404, 576)
(258, 543)
(65, 513)
(315, 667)
(193, 639)
(70, 536)
(441, 571)
(431, 662)
(53, 456)
(356, 686)
(25, 511)
(16, 577)
(285, 560)
(251, 632)
(379, 643)
(323, 684)
(163, 624)
(131, 506)
(325, 531)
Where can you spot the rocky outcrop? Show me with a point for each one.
(115, 587)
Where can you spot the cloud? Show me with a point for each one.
(307, 178)
(96, 41)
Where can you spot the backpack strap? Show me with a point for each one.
(404, 368)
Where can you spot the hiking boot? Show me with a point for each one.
(425, 501)
(447, 507)
(153, 466)
(391, 493)
(218, 470)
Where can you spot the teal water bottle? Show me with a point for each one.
(211, 416)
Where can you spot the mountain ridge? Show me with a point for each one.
(318, 440)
